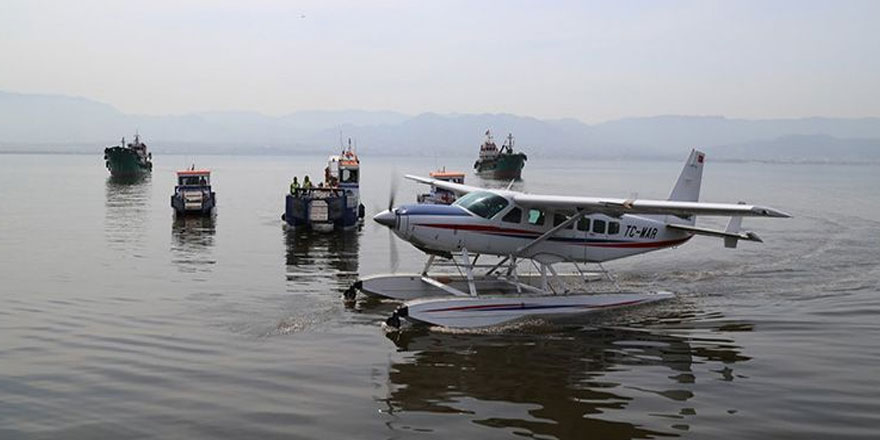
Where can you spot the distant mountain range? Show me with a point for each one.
(53, 123)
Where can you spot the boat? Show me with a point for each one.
(440, 196)
(332, 205)
(193, 194)
(128, 160)
(501, 164)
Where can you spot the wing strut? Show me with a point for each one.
(731, 235)
(580, 213)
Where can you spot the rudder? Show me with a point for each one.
(687, 188)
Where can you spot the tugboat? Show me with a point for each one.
(439, 196)
(128, 160)
(193, 194)
(501, 164)
(332, 205)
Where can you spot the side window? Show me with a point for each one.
(583, 224)
(613, 228)
(513, 216)
(536, 217)
(599, 226)
(558, 219)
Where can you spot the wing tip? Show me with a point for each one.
(770, 212)
(417, 178)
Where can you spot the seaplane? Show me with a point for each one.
(542, 230)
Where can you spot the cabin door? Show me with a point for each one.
(582, 233)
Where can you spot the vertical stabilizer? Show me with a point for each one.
(687, 188)
(733, 227)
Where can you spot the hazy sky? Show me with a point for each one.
(550, 59)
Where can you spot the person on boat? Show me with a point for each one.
(294, 186)
(307, 183)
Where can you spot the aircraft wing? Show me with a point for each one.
(442, 184)
(613, 206)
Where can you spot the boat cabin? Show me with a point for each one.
(439, 196)
(194, 178)
(488, 149)
(342, 170)
(448, 176)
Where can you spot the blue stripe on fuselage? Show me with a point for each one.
(445, 210)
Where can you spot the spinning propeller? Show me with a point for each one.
(393, 256)
(389, 218)
(385, 218)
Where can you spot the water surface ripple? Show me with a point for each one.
(120, 321)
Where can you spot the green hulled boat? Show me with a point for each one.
(128, 160)
(499, 164)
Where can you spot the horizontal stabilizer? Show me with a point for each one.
(730, 237)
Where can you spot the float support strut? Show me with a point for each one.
(469, 270)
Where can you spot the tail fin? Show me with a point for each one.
(733, 227)
(687, 189)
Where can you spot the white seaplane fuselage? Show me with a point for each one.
(547, 229)
(594, 238)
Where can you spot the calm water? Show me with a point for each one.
(120, 322)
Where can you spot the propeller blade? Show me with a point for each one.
(392, 190)
(392, 242)
(392, 255)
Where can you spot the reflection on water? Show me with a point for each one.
(608, 383)
(126, 213)
(316, 261)
(193, 242)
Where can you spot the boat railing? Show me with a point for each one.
(318, 192)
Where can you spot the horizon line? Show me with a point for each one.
(430, 112)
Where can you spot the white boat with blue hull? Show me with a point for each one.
(193, 194)
(332, 205)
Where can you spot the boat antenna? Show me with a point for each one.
(509, 185)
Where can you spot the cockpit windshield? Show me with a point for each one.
(482, 203)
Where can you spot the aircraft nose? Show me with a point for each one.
(386, 218)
